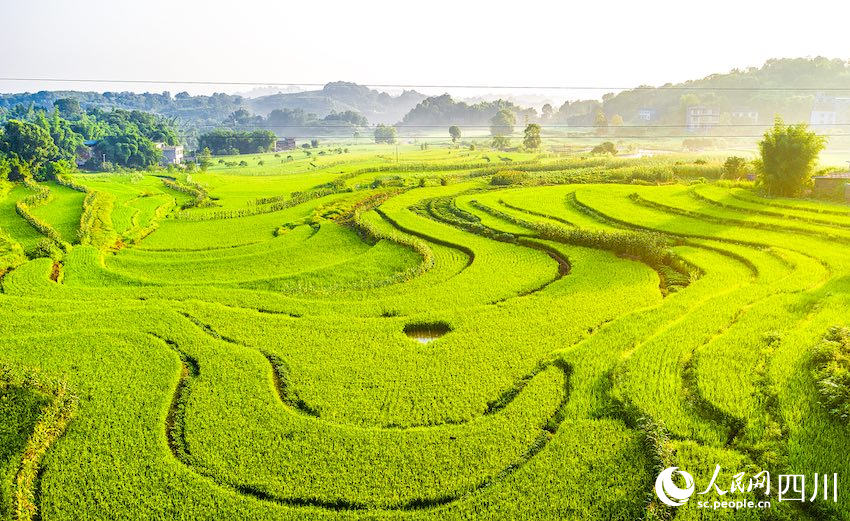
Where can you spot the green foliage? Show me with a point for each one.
(831, 370)
(502, 123)
(788, 156)
(56, 170)
(385, 134)
(96, 221)
(205, 159)
(501, 142)
(68, 107)
(229, 142)
(509, 177)
(454, 132)
(532, 136)
(735, 167)
(605, 147)
(28, 143)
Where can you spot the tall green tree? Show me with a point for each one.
(532, 136)
(454, 132)
(600, 123)
(385, 134)
(29, 143)
(788, 157)
(205, 159)
(502, 123)
(68, 107)
(734, 167)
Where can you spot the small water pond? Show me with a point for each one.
(425, 333)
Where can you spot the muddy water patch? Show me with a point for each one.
(426, 332)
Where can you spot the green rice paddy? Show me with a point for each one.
(372, 336)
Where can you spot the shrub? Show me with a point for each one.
(509, 177)
(606, 147)
(831, 370)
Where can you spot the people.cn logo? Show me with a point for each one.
(668, 492)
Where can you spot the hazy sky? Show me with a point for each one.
(430, 42)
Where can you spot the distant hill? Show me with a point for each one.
(340, 96)
(739, 91)
(376, 106)
(752, 96)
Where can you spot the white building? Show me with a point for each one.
(701, 117)
(745, 116)
(646, 114)
(828, 110)
(171, 155)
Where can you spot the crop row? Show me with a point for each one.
(25, 206)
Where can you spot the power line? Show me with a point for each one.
(609, 137)
(424, 86)
(402, 127)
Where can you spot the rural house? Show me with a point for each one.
(171, 155)
(287, 143)
(701, 117)
(646, 114)
(745, 116)
(829, 110)
(835, 186)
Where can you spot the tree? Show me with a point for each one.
(232, 142)
(501, 142)
(454, 132)
(502, 124)
(68, 107)
(5, 168)
(735, 167)
(606, 147)
(130, 149)
(600, 122)
(29, 143)
(532, 136)
(788, 156)
(616, 120)
(56, 169)
(547, 111)
(205, 159)
(385, 134)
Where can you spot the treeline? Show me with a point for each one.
(243, 132)
(232, 142)
(444, 110)
(183, 106)
(741, 97)
(47, 143)
(295, 118)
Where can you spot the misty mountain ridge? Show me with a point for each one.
(341, 96)
(787, 87)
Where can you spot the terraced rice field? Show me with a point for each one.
(366, 338)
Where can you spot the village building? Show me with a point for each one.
(745, 116)
(701, 117)
(171, 155)
(829, 110)
(85, 152)
(287, 143)
(834, 186)
(647, 114)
